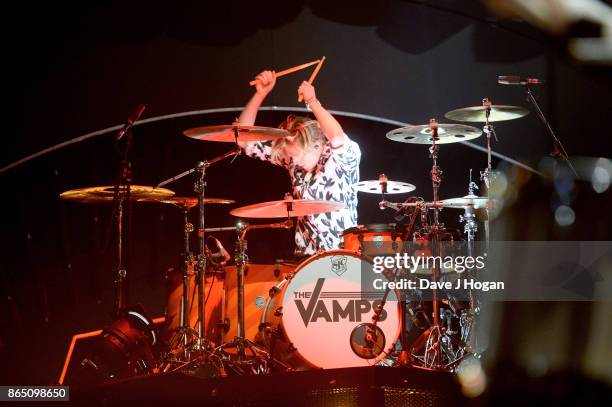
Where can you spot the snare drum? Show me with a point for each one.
(317, 318)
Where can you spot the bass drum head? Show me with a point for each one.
(323, 308)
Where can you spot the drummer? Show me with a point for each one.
(322, 161)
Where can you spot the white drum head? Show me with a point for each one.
(324, 303)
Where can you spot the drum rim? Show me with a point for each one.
(372, 228)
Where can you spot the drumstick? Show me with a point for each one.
(314, 75)
(289, 70)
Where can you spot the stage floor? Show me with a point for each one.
(362, 386)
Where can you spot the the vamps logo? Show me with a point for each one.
(338, 264)
(317, 308)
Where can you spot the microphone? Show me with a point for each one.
(517, 80)
(221, 252)
(130, 121)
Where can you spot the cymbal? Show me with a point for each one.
(477, 113)
(103, 194)
(188, 202)
(473, 201)
(280, 209)
(447, 133)
(393, 187)
(226, 134)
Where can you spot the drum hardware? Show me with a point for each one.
(185, 334)
(121, 207)
(120, 195)
(201, 343)
(259, 358)
(433, 349)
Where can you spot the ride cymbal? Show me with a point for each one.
(478, 113)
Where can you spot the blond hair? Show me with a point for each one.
(305, 134)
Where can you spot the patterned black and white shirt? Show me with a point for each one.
(333, 179)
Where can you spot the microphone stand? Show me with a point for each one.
(559, 150)
(122, 209)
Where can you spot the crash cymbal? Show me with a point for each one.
(226, 134)
(287, 207)
(473, 201)
(188, 202)
(106, 193)
(375, 187)
(447, 133)
(477, 113)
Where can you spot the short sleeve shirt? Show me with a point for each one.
(333, 179)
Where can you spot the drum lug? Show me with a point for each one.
(277, 267)
(272, 292)
(278, 312)
(265, 327)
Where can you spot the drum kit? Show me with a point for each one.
(237, 317)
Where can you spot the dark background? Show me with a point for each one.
(76, 69)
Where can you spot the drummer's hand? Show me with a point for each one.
(306, 91)
(265, 82)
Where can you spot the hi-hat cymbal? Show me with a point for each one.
(468, 201)
(188, 202)
(477, 113)
(422, 134)
(103, 194)
(287, 208)
(375, 187)
(226, 133)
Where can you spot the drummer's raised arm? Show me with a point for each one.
(265, 82)
(329, 125)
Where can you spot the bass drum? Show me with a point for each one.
(318, 317)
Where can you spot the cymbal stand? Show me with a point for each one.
(186, 334)
(468, 317)
(430, 343)
(199, 171)
(469, 217)
(259, 362)
(488, 175)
